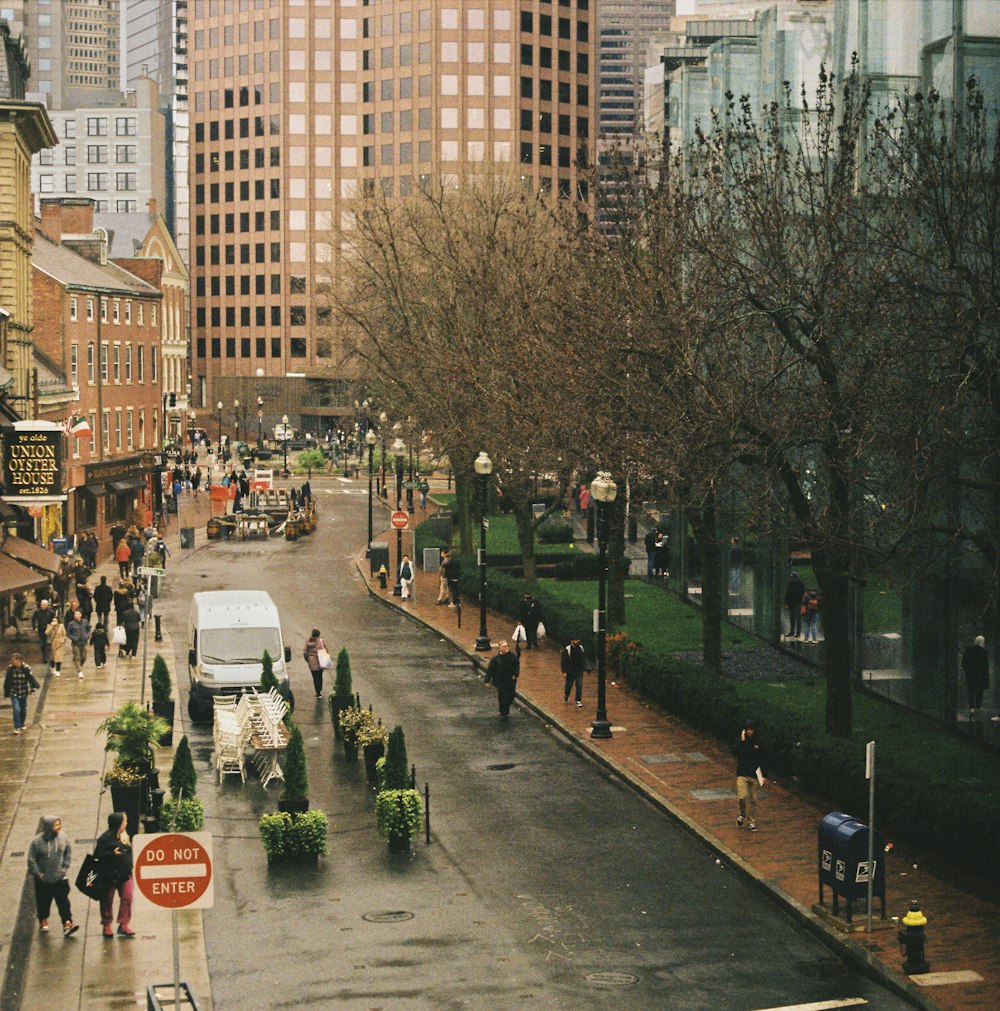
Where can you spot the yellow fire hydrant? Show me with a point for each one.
(383, 577)
(911, 941)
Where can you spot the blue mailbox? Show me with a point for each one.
(843, 862)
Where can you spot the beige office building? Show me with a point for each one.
(295, 106)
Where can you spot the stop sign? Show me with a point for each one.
(400, 520)
(174, 871)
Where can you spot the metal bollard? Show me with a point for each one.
(158, 635)
(911, 941)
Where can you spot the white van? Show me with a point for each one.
(228, 632)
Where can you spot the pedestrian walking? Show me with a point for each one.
(584, 498)
(99, 640)
(976, 667)
(56, 634)
(113, 853)
(40, 621)
(314, 659)
(453, 573)
(809, 609)
(49, 856)
(196, 481)
(18, 684)
(502, 671)
(103, 595)
(131, 622)
(406, 577)
(78, 631)
(123, 556)
(661, 562)
(141, 603)
(138, 550)
(423, 487)
(85, 599)
(530, 616)
(649, 543)
(573, 662)
(750, 776)
(794, 593)
(122, 599)
(442, 597)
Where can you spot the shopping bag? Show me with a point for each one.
(519, 634)
(325, 660)
(89, 879)
(541, 631)
(118, 637)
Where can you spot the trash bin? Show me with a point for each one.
(60, 545)
(379, 556)
(842, 862)
(432, 559)
(187, 537)
(171, 504)
(213, 530)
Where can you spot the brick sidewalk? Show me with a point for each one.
(692, 777)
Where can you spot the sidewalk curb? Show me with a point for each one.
(843, 946)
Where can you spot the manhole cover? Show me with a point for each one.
(501, 766)
(79, 772)
(388, 916)
(611, 979)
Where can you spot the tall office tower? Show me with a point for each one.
(296, 107)
(156, 45)
(625, 29)
(75, 48)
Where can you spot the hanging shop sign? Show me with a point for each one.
(32, 462)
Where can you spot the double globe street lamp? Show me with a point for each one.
(218, 444)
(484, 467)
(603, 491)
(399, 452)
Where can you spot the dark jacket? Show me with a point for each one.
(41, 618)
(811, 602)
(976, 666)
(78, 631)
(749, 754)
(503, 669)
(18, 681)
(103, 595)
(530, 613)
(130, 619)
(794, 593)
(114, 857)
(99, 638)
(573, 659)
(452, 569)
(50, 853)
(649, 542)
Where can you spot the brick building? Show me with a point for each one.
(100, 323)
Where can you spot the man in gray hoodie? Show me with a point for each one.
(49, 857)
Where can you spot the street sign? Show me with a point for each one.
(174, 871)
(151, 570)
(400, 520)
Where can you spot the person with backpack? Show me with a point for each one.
(810, 615)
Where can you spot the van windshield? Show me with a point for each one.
(240, 645)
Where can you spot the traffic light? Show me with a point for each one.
(173, 399)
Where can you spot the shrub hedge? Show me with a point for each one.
(922, 797)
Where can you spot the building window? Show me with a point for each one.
(93, 432)
(104, 310)
(128, 312)
(152, 322)
(116, 311)
(118, 428)
(106, 430)
(128, 429)
(90, 364)
(97, 126)
(152, 362)
(128, 363)
(139, 321)
(72, 308)
(142, 427)
(74, 364)
(116, 360)
(124, 126)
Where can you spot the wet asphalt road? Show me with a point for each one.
(547, 884)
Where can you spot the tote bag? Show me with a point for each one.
(325, 660)
(90, 880)
(118, 637)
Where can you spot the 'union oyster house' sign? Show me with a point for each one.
(32, 462)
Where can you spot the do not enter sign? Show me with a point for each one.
(400, 520)
(174, 871)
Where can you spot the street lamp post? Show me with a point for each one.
(236, 414)
(191, 421)
(218, 443)
(363, 431)
(603, 490)
(260, 422)
(399, 451)
(484, 467)
(370, 439)
(284, 444)
(383, 420)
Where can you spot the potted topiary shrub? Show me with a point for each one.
(397, 807)
(163, 704)
(132, 734)
(183, 812)
(372, 737)
(295, 797)
(342, 695)
(302, 839)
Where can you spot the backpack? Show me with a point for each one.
(812, 604)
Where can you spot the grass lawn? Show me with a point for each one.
(501, 538)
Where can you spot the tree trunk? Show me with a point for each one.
(703, 525)
(615, 616)
(526, 539)
(833, 589)
(464, 489)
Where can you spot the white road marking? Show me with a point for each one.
(821, 1005)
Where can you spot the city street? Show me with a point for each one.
(546, 884)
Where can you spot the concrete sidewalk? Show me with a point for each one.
(55, 767)
(692, 777)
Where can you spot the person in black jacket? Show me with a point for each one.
(99, 640)
(453, 573)
(502, 671)
(103, 595)
(530, 615)
(976, 668)
(794, 593)
(749, 773)
(131, 622)
(113, 854)
(573, 662)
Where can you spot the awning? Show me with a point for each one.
(14, 576)
(129, 484)
(31, 554)
(97, 490)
